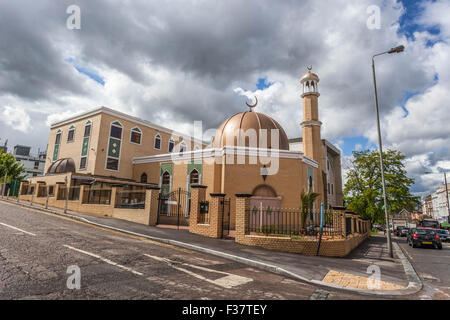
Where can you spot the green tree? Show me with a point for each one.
(306, 204)
(363, 192)
(10, 167)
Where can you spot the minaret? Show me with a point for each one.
(311, 124)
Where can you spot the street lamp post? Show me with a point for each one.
(4, 184)
(446, 195)
(386, 213)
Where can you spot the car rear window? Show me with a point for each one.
(423, 231)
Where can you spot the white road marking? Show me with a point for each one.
(7, 225)
(105, 260)
(228, 282)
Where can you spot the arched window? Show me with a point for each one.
(144, 178)
(71, 134)
(194, 177)
(165, 178)
(157, 144)
(114, 146)
(310, 182)
(136, 135)
(57, 145)
(171, 145)
(87, 129)
(116, 130)
(58, 137)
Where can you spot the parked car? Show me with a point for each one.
(404, 232)
(443, 234)
(424, 237)
(401, 231)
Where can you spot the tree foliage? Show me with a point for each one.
(363, 192)
(10, 167)
(306, 203)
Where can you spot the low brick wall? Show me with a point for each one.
(145, 216)
(338, 247)
(329, 248)
(134, 215)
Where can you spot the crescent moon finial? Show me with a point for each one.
(310, 68)
(252, 106)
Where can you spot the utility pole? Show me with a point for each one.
(67, 194)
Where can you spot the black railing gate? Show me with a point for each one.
(174, 208)
(225, 208)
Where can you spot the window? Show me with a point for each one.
(112, 164)
(136, 136)
(71, 134)
(114, 146)
(157, 142)
(171, 145)
(194, 177)
(87, 130)
(166, 178)
(83, 162)
(36, 165)
(116, 132)
(57, 145)
(51, 191)
(58, 138)
(310, 182)
(144, 178)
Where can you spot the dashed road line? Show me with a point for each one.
(228, 282)
(105, 260)
(7, 225)
(91, 225)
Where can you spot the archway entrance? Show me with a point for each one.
(264, 196)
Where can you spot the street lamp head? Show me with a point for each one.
(397, 49)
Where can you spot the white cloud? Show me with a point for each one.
(197, 61)
(16, 118)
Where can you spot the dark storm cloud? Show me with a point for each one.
(30, 65)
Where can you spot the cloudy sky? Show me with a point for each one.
(174, 62)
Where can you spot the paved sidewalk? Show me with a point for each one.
(350, 272)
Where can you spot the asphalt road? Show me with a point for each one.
(433, 267)
(40, 253)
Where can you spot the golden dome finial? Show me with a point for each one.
(252, 106)
(309, 68)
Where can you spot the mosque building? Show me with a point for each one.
(102, 149)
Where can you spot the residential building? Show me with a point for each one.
(33, 164)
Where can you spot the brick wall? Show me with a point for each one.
(329, 247)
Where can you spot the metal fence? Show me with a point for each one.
(74, 193)
(97, 196)
(130, 199)
(269, 221)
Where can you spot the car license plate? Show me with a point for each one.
(426, 242)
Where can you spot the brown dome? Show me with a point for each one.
(62, 166)
(227, 133)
